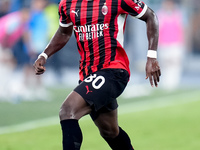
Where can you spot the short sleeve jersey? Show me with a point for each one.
(99, 30)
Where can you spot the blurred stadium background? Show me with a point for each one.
(28, 101)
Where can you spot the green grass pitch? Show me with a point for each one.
(164, 127)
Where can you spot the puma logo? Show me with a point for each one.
(137, 7)
(88, 91)
(75, 12)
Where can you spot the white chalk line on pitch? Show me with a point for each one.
(160, 102)
(123, 109)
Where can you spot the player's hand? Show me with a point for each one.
(39, 66)
(153, 71)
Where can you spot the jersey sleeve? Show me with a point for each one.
(135, 8)
(64, 19)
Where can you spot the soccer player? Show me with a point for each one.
(98, 26)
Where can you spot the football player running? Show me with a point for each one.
(104, 72)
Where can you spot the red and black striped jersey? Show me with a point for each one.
(99, 27)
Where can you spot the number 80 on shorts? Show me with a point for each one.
(97, 81)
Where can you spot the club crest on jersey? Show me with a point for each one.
(104, 9)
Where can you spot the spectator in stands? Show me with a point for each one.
(195, 24)
(12, 28)
(4, 7)
(37, 39)
(38, 27)
(171, 43)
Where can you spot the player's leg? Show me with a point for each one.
(115, 136)
(72, 109)
(105, 118)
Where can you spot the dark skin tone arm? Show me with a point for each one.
(58, 41)
(152, 67)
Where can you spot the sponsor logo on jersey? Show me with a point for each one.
(137, 7)
(135, 1)
(89, 32)
(138, 2)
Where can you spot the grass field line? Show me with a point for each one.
(160, 102)
(135, 106)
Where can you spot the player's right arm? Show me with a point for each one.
(58, 41)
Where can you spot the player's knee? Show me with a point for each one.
(109, 132)
(66, 112)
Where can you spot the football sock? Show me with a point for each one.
(121, 142)
(72, 135)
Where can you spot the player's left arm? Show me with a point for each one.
(152, 67)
